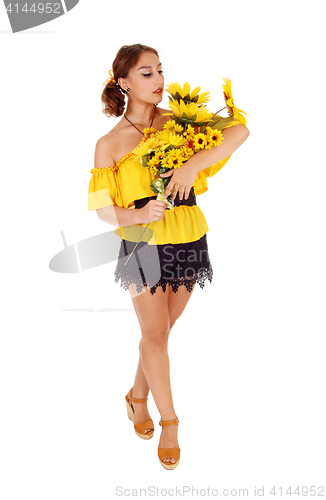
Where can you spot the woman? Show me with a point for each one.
(119, 192)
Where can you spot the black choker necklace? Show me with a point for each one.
(137, 127)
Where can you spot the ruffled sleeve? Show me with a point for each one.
(103, 189)
(200, 185)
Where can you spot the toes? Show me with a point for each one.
(169, 460)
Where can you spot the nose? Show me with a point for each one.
(160, 79)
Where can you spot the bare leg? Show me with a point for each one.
(157, 314)
(140, 390)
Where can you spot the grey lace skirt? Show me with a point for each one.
(183, 264)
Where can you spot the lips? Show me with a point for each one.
(158, 91)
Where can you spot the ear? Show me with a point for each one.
(123, 84)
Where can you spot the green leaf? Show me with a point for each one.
(144, 161)
(177, 96)
(163, 170)
(166, 181)
(221, 122)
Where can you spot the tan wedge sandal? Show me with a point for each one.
(169, 452)
(141, 426)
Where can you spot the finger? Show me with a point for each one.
(174, 192)
(181, 193)
(160, 210)
(159, 215)
(186, 193)
(167, 174)
(168, 189)
(160, 203)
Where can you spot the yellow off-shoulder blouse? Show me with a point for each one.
(128, 181)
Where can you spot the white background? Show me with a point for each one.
(248, 355)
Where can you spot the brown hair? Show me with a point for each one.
(113, 96)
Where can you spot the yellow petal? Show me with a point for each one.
(173, 88)
(195, 92)
(183, 108)
(203, 97)
(174, 106)
(186, 89)
(192, 109)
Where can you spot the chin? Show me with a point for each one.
(158, 98)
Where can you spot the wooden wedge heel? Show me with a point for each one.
(141, 427)
(169, 452)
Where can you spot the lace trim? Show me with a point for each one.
(188, 282)
(97, 170)
(125, 157)
(116, 167)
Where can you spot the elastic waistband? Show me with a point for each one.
(176, 202)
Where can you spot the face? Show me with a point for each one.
(145, 79)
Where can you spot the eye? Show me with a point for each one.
(147, 74)
(161, 71)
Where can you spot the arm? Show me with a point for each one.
(119, 216)
(183, 178)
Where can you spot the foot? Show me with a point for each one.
(169, 439)
(141, 414)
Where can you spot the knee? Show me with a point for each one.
(156, 338)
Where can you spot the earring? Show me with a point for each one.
(128, 89)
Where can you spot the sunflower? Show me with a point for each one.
(232, 109)
(173, 126)
(148, 131)
(169, 125)
(175, 159)
(145, 147)
(189, 112)
(189, 132)
(186, 152)
(153, 166)
(200, 141)
(168, 138)
(165, 162)
(141, 150)
(185, 93)
(159, 155)
(214, 137)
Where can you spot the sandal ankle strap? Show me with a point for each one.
(165, 423)
(138, 400)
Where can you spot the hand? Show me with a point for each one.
(181, 181)
(152, 211)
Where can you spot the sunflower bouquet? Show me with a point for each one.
(191, 128)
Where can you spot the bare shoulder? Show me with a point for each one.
(161, 118)
(103, 152)
(162, 111)
(105, 149)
